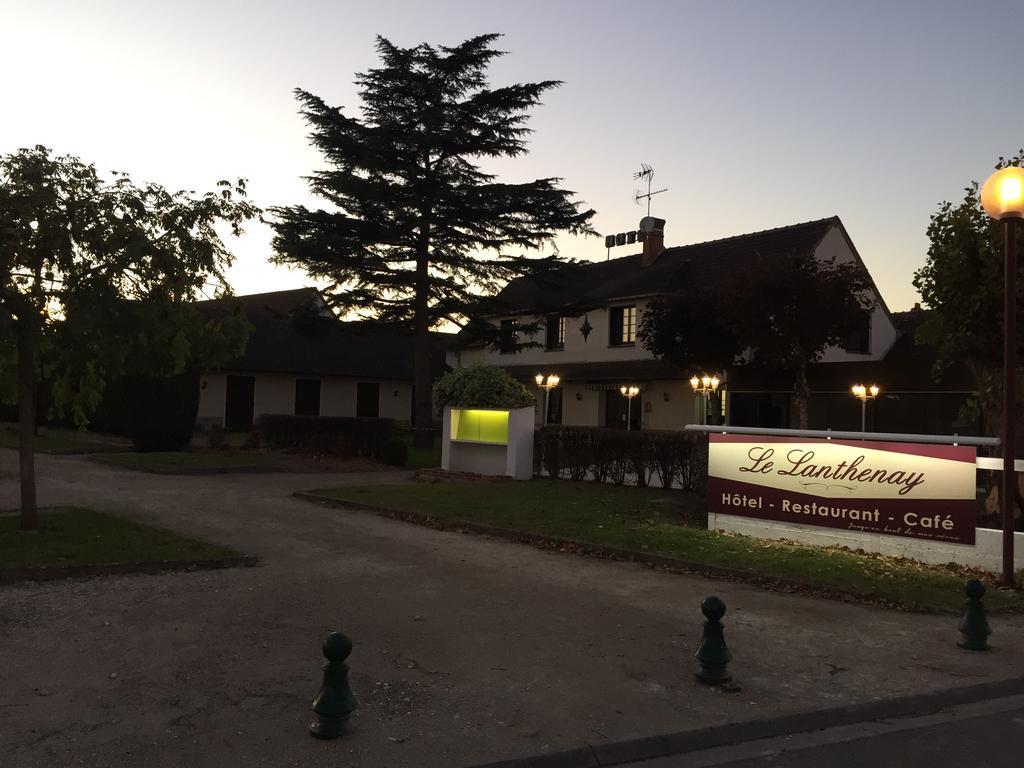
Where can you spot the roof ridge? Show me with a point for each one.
(833, 218)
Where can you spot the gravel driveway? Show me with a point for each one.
(466, 649)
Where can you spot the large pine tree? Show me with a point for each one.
(417, 231)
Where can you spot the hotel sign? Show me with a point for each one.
(901, 489)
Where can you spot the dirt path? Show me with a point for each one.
(466, 649)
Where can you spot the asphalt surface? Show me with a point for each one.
(467, 650)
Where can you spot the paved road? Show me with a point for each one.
(467, 649)
(987, 734)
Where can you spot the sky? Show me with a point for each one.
(754, 115)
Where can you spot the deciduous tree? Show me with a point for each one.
(962, 285)
(97, 275)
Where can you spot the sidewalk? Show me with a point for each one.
(467, 650)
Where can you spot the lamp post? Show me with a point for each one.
(705, 385)
(629, 393)
(864, 394)
(1002, 197)
(547, 384)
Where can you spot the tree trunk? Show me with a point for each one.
(802, 395)
(423, 414)
(27, 426)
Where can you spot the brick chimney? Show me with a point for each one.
(653, 232)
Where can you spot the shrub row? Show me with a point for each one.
(673, 459)
(345, 436)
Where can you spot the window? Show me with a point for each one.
(859, 340)
(239, 401)
(555, 327)
(368, 399)
(507, 340)
(307, 397)
(622, 321)
(555, 406)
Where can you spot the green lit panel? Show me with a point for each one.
(481, 426)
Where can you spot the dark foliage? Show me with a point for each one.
(158, 414)
(344, 436)
(395, 452)
(677, 459)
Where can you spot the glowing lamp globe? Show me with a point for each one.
(1002, 195)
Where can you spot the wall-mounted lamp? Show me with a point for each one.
(579, 396)
(666, 396)
(547, 384)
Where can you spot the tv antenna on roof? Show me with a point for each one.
(646, 172)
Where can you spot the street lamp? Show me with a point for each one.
(705, 386)
(547, 384)
(629, 393)
(1002, 197)
(864, 394)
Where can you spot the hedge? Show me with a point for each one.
(672, 459)
(345, 436)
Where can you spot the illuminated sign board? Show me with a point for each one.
(900, 489)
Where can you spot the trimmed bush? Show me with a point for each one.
(341, 435)
(481, 386)
(677, 459)
(395, 453)
(160, 413)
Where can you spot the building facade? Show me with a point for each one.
(587, 318)
(300, 359)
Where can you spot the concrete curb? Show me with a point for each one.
(673, 564)
(683, 742)
(52, 573)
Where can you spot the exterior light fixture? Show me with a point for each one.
(547, 384)
(629, 393)
(1002, 197)
(864, 394)
(705, 386)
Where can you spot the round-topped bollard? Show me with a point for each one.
(974, 627)
(713, 655)
(335, 702)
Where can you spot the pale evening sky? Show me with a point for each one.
(754, 114)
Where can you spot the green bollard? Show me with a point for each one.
(713, 655)
(335, 702)
(973, 625)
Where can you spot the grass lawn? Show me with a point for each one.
(64, 441)
(420, 458)
(76, 536)
(188, 462)
(653, 520)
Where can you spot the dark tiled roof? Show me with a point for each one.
(590, 284)
(294, 332)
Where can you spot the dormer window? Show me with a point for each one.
(622, 325)
(555, 332)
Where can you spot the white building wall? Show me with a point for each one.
(274, 394)
(395, 400)
(337, 396)
(595, 349)
(883, 332)
(212, 398)
(681, 408)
